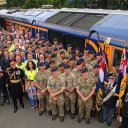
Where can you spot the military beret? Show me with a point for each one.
(65, 57)
(51, 62)
(5, 47)
(112, 74)
(66, 66)
(40, 39)
(98, 62)
(73, 51)
(84, 70)
(36, 38)
(31, 37)
(54, 69)
(62, 52)
(13, 61)
(61, 65)
(49, 52)
(60, 43)
(46, 40)
(61, 48)
(81, 59)
(81, 54)
(30, 42)
(33, 51)
(3, 39)
(53, 55)
(42, 36)
(86, 48)
(41, 64)
(12, 39)
(46, 51)
(77, 48)
(49, 45)
(55, 49)
(69, 45)
(72, 58)
(78, 62)
(43, 45)
(36, 42)
(96, 66)
(36, 47)
(91, 52)
(55, 39)
(98, 54)
(117, 63)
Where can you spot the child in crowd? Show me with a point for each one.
(32, 94)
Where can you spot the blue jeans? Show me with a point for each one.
(107, 114)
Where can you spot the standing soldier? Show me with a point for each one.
(85, 89)
(72, 63)
(69, 48)
(16, 79)
(52, 65)
(61, 68)
(86, 54)
(55, 41)
(56, 88)
(70, 95)
(92, 59)
(40, 80)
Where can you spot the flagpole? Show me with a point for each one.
(120, 104)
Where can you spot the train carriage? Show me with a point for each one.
(79, 27)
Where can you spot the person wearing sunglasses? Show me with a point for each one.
(109, 100)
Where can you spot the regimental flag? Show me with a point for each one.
(121, 83)
(102, 78)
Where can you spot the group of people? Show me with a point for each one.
(47, 72)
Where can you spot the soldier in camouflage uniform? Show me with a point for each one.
(93, 60)
(46, 42)
(72, 63)
(77, 50)
(65, 60)
(43, 48)
(85, 89)
(70, 95)
(46, 54)
(61, 68)
(69, 48)
(62, 55)
(52, 65)
(54, 58)
(55, 41)
(49, 56)
(86, 55)
(40, 80)
(50, 47)
(73, 54)
(95, 75)
(56, 88)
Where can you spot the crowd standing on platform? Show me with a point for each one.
(46, 72)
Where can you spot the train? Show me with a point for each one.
(79, 27)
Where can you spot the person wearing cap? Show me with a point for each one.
(60, 44)
(78, 73)
(86, 54)
(55, 42)
(62, 55)
(92, 60)
(41, 60)
(41, 41)
(69, 93)
(72, 63)
(37, 53)
(49, 56)
(109, 100)
(69, 48)
(3, 43)
(54, 58)
(46, 42)
(43, 48)
(95, 75)
(31, 45)
(61, 68)
(56, 52)
(65, 60)
(50, 47)
(85, 92)
(81, 55)
(16, 79)
(40, 80)
(46, 54)
(98, 56)
(77, 50)
(56, 87)
(51, 65)
(73, 54)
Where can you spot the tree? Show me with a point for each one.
(39, 3)
(29, 4)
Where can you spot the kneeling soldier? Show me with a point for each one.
(70, 85)
(56, 88)
(85, 89)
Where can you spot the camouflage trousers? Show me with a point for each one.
(94, 102)
(42, 98)
(70, 102)
(59, 103)
(85, 107)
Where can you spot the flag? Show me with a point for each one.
(121, 83)
(102, 78)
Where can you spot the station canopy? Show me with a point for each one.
(75, 19)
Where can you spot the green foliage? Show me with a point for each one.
(30, 4)
(39, 3)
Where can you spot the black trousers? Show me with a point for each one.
(15, 102)
(124, 122)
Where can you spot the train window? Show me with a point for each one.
(117, 56)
